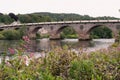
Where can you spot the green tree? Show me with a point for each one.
(11, 34)
(5, 19)
(101, 32)
(68, 32)
(22, 31)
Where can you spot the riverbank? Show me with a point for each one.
(63, 64)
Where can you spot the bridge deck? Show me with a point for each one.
(62, 22)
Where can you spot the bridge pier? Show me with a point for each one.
(84, 37)
(117, 39)
(54, 37)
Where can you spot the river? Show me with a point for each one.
(46, 44)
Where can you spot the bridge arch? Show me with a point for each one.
(66, 31)
(107, 26)
(35, 30)
(60, 29)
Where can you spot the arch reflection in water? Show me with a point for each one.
(46, 44)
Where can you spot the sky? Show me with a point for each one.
(92, 8)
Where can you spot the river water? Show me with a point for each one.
(46, 44)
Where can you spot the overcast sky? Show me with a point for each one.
(84, 7)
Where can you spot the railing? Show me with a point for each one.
(61, 22)
(81, 21)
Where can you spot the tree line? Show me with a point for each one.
(46, 17)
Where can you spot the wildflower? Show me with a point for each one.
(7, 63)
(25, 46)
(118, 48)
(42, 54)
(20, 49)
(19, 57)
(31, 55)
(26, 60)
(12, 51)
(26, 39)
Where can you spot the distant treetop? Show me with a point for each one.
(47, 17)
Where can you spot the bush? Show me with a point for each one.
(11, 34)
(22, 31)
(82, 70)
(101, 32)
(38, 36)
(1, 36)
(58, 62)
(68, 32)
(61, 64)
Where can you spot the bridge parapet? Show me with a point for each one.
(64, 22)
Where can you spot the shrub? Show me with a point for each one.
(61, 64)
(22, 31)
(11, 34)
(1, 36)
(58, 62)
(82, 70)
(38, 36)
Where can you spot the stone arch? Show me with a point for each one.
(58, 34)
(35, 30)
(61, 28)
(95, 26)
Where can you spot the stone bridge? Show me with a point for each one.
(82, 27)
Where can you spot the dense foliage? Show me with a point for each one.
(101, 32)
(12, 34)
(46, 17)
(71, 16)
(61, 64)
(5, 19)
(40, 36)
(69, 32)
(96, 33)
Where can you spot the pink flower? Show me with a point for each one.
(26, 39)
(118, 48)
(25, 46)
(31, 55)
(7, 63)
(12, 51)
(20, 49)
(19, 57)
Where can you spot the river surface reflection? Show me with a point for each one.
(46, 44)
